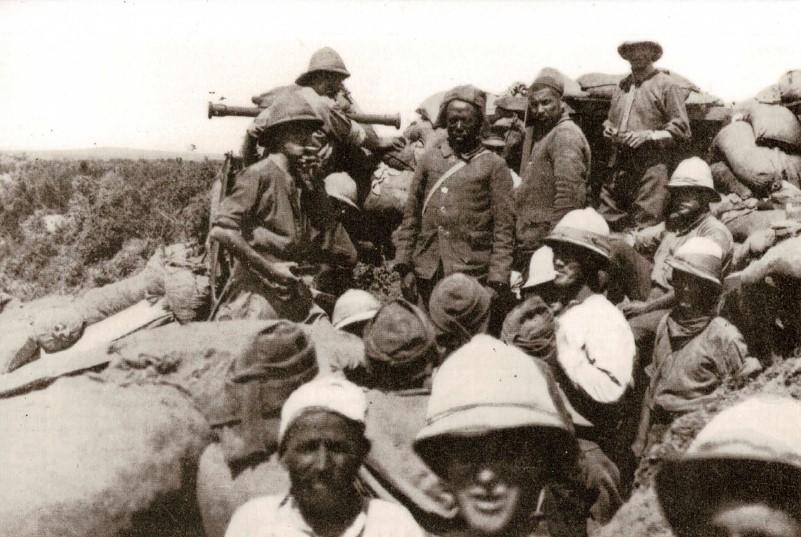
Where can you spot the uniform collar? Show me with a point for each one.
(447, 151)
(626, 83)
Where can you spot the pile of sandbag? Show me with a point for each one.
(602, 86)
(761, 146)
(389, 190)
(177, 272)
(787, 90)
(84, 458)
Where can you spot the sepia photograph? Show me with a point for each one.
(400, 268)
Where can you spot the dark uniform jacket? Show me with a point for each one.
(555, 176)
(468, 225)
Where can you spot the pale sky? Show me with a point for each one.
(138, 74)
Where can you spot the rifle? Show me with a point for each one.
(219, 268)
(223, 110)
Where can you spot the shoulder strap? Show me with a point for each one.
(447, 175)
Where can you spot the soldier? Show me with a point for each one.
(458, 216)
(509, 115)
(647, 121)
(740, 475)
(695, 350)
(339, 139)
(691, 192)
(276, 216)
(554, 173)
(322, 443)
(496, 431)
(595, 346)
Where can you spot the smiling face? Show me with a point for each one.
(322, 452)
(569, 266)
(464, 125)
(686, 204)
(495, 479)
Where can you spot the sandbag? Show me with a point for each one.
(774, 125)
(58, 328)
(790, 86)
(186, 283)
(600, 85)
(219, 492)
(389, 190)
(392, 470)
(429, 108)
(769, 95)
(784, 259)
(196, 356)
(84, 458)
(99, 303)
(759, 168)
(743, 226)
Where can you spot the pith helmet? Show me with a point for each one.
(585, 228)
(325, 59)
(487, 385)
(693, 173)
(626, 48)
(540, 268)
(355, 305)
(289, 107)
(701, 257)
(755, 443)
(342, 187)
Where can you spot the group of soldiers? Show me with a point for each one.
(541, 345)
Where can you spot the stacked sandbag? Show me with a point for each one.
(102, 302)
(83, 458)
(602, 86)
(758, 168)
(789, 86)
(774, 125)
(784, 259)
(389, 190)
(186, 282)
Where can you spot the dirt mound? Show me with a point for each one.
(641, 514)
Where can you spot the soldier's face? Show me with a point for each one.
(751, 519)
(331, 84)
(568, 266)
(545, 106)
(463, 122)
(693, 295)
(322, 452)
(640, 59)
(494, 480)
(685, 205)
(294, 140)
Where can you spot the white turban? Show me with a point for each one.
(329, 393)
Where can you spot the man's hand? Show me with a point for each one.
(634, 308)
(282, 272)
(409, 286)
(635, 139)
(395, 143)
(610, 132)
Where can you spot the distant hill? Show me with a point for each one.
(108, 153)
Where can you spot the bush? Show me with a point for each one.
(116, 213)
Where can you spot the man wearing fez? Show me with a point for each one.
(555, 167)
(647, 121)
(458, 217)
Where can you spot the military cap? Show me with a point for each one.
(469, 94)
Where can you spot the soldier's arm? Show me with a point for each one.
(412, 217)
(570, 172)
(503, 232)
(677, 127)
